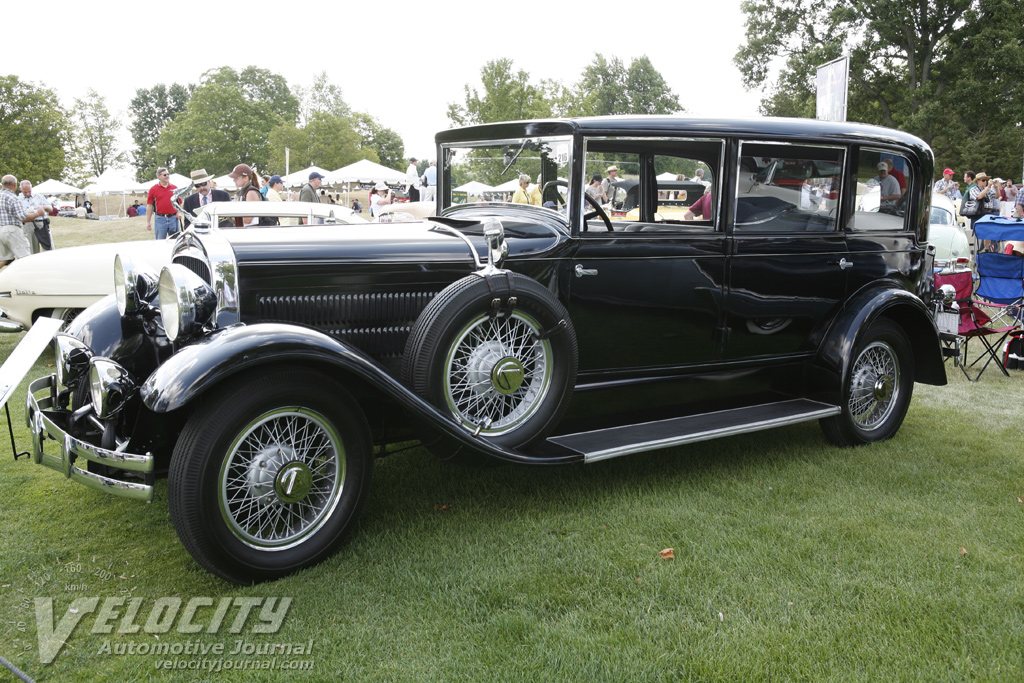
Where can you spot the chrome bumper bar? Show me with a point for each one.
(43, 427)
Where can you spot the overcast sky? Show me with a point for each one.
(400, 62)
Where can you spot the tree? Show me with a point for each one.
(228, 120)
(326, 140)
(322, 96)
(151, 110)
(507, 96)
(36, 131)
(647, 91)
(949, 71)
(608, 88)
(96, 135)
(384, 142)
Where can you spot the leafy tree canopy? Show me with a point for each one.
(605, 87)
(150, 111)
(96, 137)
(949, 71)
(36, 131)
(228, 120)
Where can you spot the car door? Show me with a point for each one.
(648, 293)
(788, 256)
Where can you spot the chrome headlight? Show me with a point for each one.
(72, 359)
(110, 386)
(134, 284)
(186, 301)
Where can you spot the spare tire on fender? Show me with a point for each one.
(498, 352)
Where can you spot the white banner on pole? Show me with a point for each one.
(833, 80)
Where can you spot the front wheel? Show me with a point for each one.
(269, 475)
(877, 388)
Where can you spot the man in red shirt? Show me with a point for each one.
(161, 209)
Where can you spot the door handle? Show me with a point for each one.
(581, 271)
(842, 263)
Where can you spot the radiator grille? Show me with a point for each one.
(197, 266)
(377, 323)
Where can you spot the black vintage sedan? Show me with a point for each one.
(260, 369)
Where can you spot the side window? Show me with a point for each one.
(654, 185)
(613, 180)
(682, 182)
(788, 188)
(882, 198)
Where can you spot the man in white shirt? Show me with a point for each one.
(412, 180)
(889, 187)
(430, 178)
(37, 232)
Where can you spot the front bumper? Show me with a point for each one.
(47, 423)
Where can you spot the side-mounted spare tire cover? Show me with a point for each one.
(499, 353)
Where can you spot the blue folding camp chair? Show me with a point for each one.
(1000, 287)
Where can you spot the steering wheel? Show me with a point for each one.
(598, 211)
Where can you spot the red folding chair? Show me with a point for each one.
(976, 323)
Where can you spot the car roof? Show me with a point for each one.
(803, 129)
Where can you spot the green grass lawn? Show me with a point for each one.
(793, 560)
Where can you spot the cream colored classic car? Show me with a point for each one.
(63, 282)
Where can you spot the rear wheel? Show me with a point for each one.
(877, 388)
(269, 475)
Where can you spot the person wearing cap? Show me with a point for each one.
(606, 184)
(275, 186)
(898, 175)
(204, 194)
(248, 184)
(889, 187)
(412, 179)
(160, 207)
(595, 190)
(308, 193)
(380, 197)
(947, 186)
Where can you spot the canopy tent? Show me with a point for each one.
(225, 183)
(300, 178)
(668, 176)
(56, 187)
(115, 181)
(510, 186)
(474, 187)
(364, 171)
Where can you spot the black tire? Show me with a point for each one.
(499, 354)
(241, 452)
(876, 390)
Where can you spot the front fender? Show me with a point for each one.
(199, 367)
(903, 308)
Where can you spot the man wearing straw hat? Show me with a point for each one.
(204, 194)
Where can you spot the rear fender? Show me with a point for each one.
(199, 367)
(900, 306)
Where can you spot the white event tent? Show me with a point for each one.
(364, 171)
(52, 186)
(117, 182)
(300, 178)
(474, 188)
(176, 179)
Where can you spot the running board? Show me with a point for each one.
(602, 444)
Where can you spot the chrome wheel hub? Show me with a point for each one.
(497, 372)
(282, 478)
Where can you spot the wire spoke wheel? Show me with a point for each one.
(282, 478)
(875, 386)
(498, 372)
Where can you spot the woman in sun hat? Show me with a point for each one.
(380, 197)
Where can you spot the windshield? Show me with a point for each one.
(521, 171)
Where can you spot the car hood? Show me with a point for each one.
(87, 270)
(421, 241)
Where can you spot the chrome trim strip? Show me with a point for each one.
(711, 434)
(71, 448)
